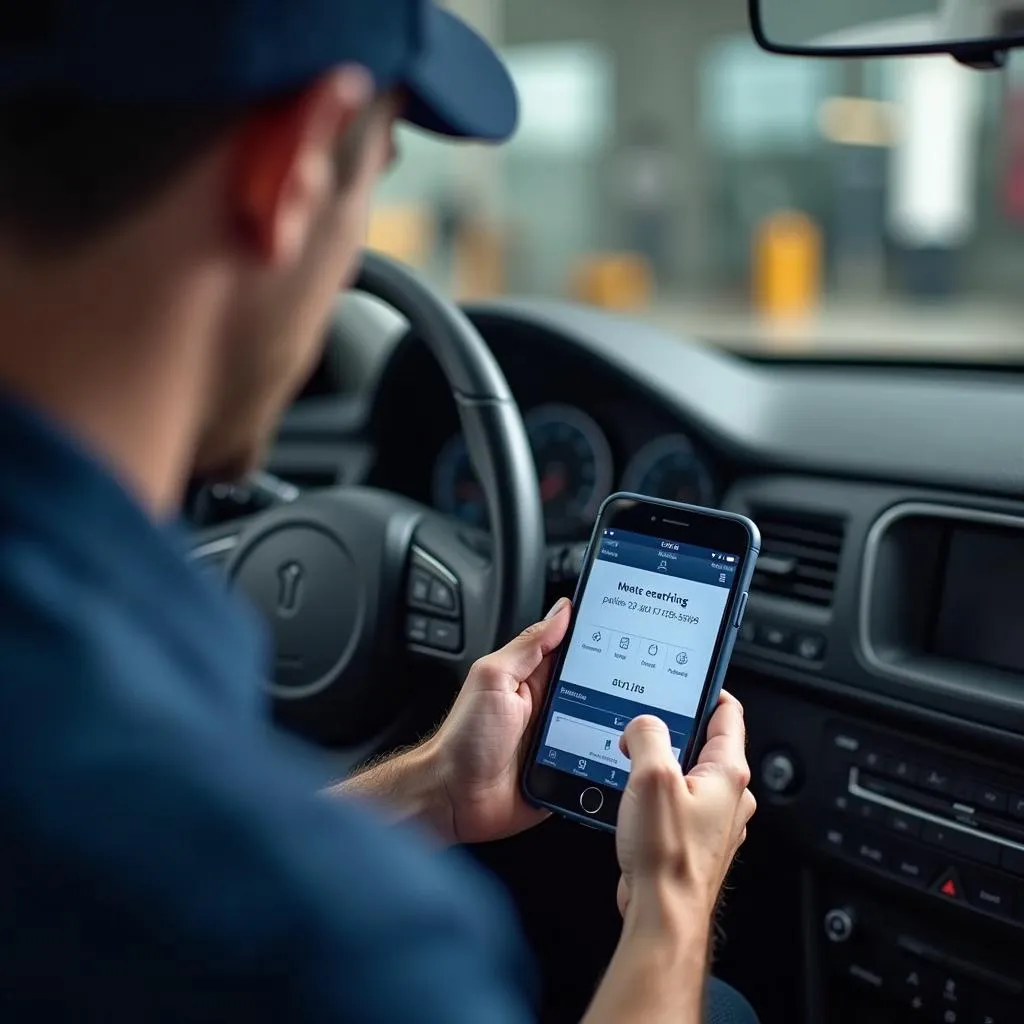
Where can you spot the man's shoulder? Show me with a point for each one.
(159, 833)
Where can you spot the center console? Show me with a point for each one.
(947, 829)
(890, 757)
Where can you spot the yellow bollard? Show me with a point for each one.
(620, 281)
(787, 265)
(402, 231)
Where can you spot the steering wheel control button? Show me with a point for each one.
(417, 629)
(419, 587)
(444, 636)
(432, 588)
(442, 596)
(839, 924)
(591, 800)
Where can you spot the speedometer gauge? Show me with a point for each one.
(457, 492)
(574, 466)
(670, 468)
(574, 469)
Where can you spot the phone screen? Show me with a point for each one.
(644, 639)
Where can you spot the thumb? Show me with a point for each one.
(523, 656)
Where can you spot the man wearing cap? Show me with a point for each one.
(182, 187)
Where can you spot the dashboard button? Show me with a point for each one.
(952, 993)
(957, 841)
(989, 798)
(871, 759)
(867, 811)
(844, 741)
(1017, 806)
(835, 838)
(872, 852)
(839, 924)
(901, 770)
(775, 638)
(810, 646)
(948, 885)
(867, 975)
(936, 780)
(904, 824)
(779, 773)
(987, 892)
(913, 866)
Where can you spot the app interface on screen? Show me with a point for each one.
(643, 643)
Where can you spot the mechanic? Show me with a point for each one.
(182, 188)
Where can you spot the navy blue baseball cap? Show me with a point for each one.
(203, 52)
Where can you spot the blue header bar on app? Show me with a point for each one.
(668, 557)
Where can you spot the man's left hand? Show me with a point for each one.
(478, 752)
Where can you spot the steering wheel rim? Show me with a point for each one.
(499, 447)
(338, 635)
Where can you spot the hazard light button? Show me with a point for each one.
(948, 885)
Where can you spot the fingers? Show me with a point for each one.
(519, 659)
(648, 745)
(725, 749)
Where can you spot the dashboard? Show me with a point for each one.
(879, 661)
(590, 435)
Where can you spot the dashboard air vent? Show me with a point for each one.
(799, 556)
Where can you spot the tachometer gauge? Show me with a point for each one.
(457, 492)
(574, 466)
(670, 468)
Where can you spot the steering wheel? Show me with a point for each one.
(354, 581)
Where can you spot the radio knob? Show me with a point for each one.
(779, 773)
(839, 924)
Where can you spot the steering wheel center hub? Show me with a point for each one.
(307, 586)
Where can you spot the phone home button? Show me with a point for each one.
(592, 800)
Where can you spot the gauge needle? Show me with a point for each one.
(553, 482)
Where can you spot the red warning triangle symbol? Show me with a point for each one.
(949, 885)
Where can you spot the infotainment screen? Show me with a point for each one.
(980, 615)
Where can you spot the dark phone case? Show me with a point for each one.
(721, 659)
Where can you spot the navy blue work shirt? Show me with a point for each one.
(165, 855)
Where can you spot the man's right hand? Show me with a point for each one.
(677, 835)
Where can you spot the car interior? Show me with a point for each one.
(452, 460)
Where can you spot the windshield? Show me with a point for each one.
(668, 168)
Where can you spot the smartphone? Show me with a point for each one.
(657, 609)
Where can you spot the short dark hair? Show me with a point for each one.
(69, 170)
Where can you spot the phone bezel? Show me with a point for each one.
(563, 792)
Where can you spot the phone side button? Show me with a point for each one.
(740, 610)
(591, 800)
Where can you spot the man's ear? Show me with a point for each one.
(284, 167)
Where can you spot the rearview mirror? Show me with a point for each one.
(975, 31)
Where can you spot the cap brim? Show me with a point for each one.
(460, 86)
